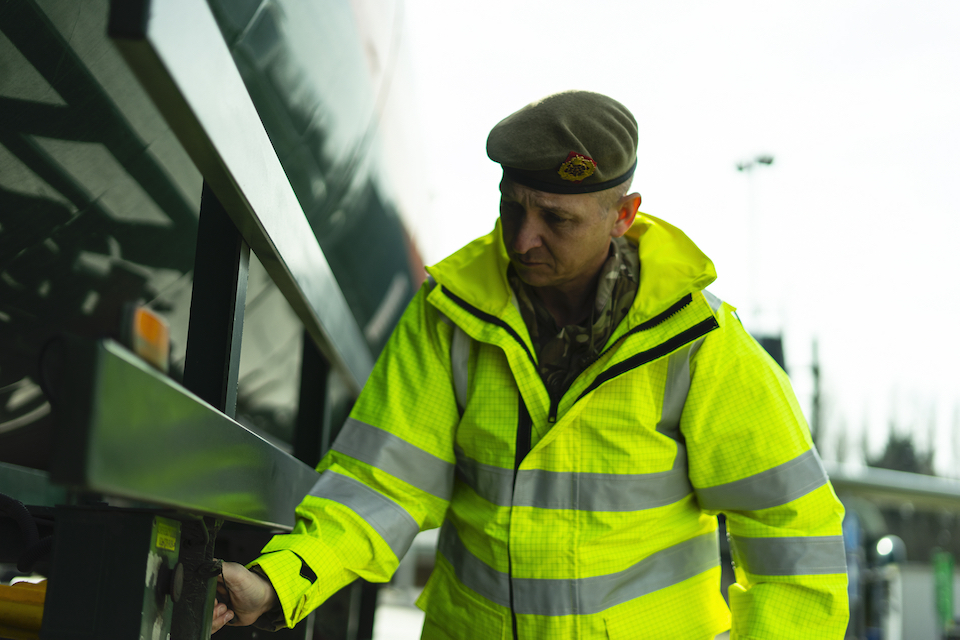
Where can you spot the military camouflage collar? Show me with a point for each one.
(563, 353)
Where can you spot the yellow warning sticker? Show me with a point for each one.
(166, 537)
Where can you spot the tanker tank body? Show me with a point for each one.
(228, 174)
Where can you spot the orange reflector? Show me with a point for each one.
(150, 338)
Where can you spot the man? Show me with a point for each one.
(572, 408)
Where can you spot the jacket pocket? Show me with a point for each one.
(453, 612)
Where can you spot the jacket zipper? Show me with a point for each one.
(525, 422)
(524, 434)
(492, 319)
(674, 309)
(639, 359)
(659, 319)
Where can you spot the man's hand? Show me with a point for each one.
(249, 594)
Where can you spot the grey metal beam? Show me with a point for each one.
(894, 487)
(129, 431)
(177, 52)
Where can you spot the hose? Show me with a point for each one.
(16, 510)
(31, 554)
(34, 547)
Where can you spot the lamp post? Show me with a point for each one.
(753, 250)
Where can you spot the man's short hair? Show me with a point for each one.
(608, 198)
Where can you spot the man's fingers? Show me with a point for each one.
(220, 620)
(221, 616)
(243, 594)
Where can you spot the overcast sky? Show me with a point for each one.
(856, 220)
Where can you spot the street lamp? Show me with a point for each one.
(753, 250)
(748, 165)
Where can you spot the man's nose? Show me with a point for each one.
(527, 236)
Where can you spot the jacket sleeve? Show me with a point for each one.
(752, 458)
(388, 475)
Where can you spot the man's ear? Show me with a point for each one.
(626, 212)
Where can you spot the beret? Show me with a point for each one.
(569, 142)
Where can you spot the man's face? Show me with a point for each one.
(554, 240)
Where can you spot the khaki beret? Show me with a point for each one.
(569, 142)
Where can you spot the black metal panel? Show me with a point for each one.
(216, 309)
(773, 345)
(366, 608)
(128, 431)
(113, 575)
(314, 370)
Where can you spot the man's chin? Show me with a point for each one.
(533, 276)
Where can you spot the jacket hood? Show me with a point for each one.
(671, 266)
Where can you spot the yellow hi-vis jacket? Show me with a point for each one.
(608, 527)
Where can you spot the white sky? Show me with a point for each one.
(859, 102)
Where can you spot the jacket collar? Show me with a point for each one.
(671, 266)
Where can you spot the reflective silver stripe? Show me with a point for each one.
(551, 597)
(790, 556)
(397, 457)
(600, 491)
(583, 491)
(770, 488)
(459, 361)
(593, 595)
(712, 300)
(675, 390)
(473, 572)
(389, 519)
(493, 484)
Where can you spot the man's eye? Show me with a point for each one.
(553, 218)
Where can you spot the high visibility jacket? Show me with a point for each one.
(607, 527)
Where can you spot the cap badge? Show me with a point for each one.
(577, 167)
